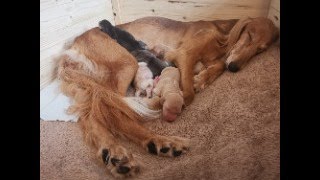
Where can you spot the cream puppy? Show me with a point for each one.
(143, 81)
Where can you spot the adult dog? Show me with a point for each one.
(96, 73)
(216, 44)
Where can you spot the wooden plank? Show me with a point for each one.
(116, 11)
(274, 15)
(191, 10)
(275, 4)
(274, 12)
(60, 22)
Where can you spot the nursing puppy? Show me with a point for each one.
(167, 94)
(137, 48)
(143, 81)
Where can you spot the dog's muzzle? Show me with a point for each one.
(233, 67)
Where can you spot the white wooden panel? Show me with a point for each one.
(60, 22)
(274, 12)
(190, 10)
(275, 4)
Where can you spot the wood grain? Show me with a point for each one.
(60, 22)
(190, 10)
(274, 12)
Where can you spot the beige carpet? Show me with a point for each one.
(234, 125)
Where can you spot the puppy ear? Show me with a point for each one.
(162, 100)
(181, 93)
(183, 106)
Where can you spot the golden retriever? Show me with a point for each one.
(217, 44)
(96, 73)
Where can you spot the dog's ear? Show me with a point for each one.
(237, 30)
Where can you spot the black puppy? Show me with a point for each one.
(136, 48)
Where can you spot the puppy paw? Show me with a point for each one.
(119, 162)
(170, 146)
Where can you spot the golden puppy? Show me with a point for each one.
(168, 94)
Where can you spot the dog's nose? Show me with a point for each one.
(233, 67)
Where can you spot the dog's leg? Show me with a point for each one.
(170, 146)
(185, 65)
(208, 75)
(114, 156)
(126, 76)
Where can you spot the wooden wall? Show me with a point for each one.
(189, 10)
(60, 22)
(274, 12)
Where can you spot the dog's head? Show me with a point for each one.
(247, 38)
(172, 106)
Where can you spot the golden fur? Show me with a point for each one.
(96, 72)
(216, 44)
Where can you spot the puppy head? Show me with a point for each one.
(107, 27)
(170, 72)
(142, 64)
(147, 85)
(248, 38)
(172, 106)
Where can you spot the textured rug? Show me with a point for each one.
(234, 125)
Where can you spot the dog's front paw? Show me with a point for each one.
(120, 163)
(188, 96)
(199, 82)
(171, 146)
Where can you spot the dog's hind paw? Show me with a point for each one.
(171, 146)
(119, 162)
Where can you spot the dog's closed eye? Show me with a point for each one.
(261, 48)
(250, 36)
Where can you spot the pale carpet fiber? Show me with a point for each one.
(234, 125)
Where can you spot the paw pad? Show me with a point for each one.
(164, 150)
(105, 156)
(114, 161)
(123, 170)
(176, 153)
(152, 148)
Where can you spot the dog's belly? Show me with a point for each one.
(155, 36)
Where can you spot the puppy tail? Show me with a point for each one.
(140, 107)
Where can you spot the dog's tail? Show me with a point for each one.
(92, 99)
(140, 107)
